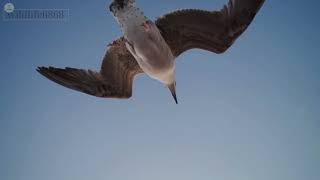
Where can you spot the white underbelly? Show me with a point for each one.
(156, 60)
(148, 47)
(151, 65)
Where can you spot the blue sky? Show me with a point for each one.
(251, 113)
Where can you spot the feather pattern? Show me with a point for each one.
(114, 80)
(214, 31)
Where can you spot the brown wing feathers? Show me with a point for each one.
(209, 30)
(114, 80)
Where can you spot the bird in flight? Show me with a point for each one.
(151, 47)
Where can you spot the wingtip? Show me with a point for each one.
(42, 69)
(39, 69)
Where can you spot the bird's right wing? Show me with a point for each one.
(214, 31)
(114, 80)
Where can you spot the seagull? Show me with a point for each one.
(151, 47)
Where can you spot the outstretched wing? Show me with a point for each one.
(214, 31)
(114, 80)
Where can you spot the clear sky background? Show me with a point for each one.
(251, 113)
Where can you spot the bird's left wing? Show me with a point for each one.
(114, 80)
(214, 31)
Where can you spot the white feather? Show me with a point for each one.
(148, 47)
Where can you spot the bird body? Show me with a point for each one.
(146, 44)
(152, 47)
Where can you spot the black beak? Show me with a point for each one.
(172, 88)
(175, 97)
